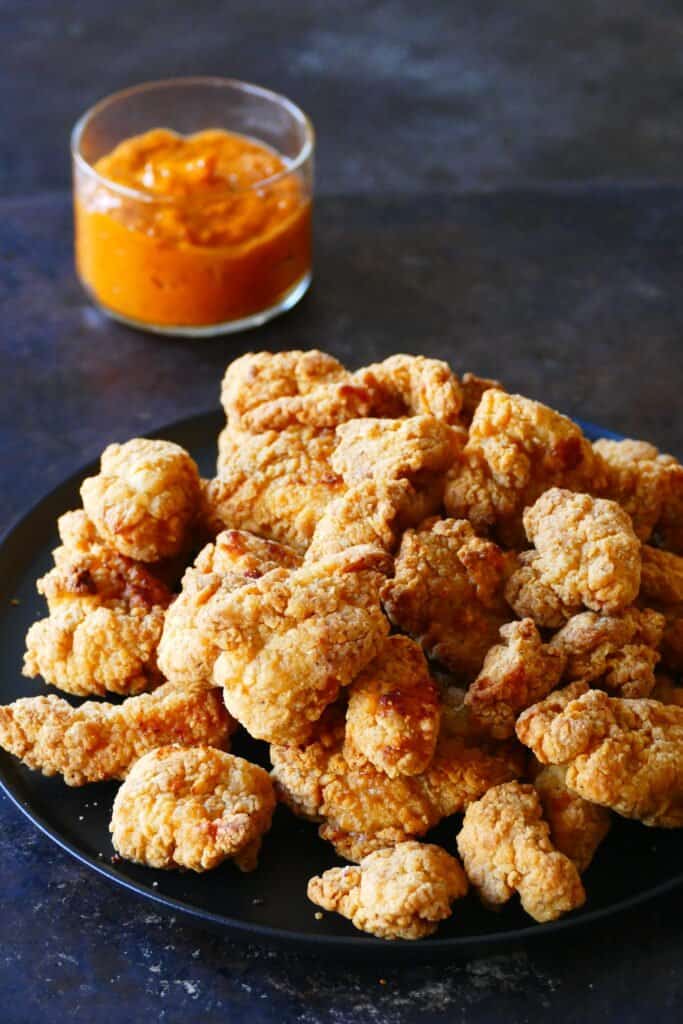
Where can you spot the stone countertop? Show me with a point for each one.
(570, 295)
(499, 187)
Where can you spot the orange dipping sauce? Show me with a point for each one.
(214, 229)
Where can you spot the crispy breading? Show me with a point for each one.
(290, 640)
(506, 848)
(145, 498)
(187, 653)
(587, 555)
(447, 593)
(577, 827)
(517, 449)
(397, 893)
(106, 614)
(619, 753)
(640, 479)
(274, 390)
(516, 673)
(406, 385)
(473, 388)
(615, 652)
(394, 710)
(415, 448)
(362, 809)
(97, 741)
(192, 808)
(276, 484)
(661, 577)
(667, 689)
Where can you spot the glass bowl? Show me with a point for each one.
(139, 254)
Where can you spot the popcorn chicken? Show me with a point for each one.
(615, 652)
(413, 386)
(264, 391)
(394, 711)
(505, 846)
(362, 809)
(447, 593)
(517, 449)
(277, 484)
(192, 808)
(577, 827)
(106, 613)
(644, 482)
(145, 498)
(187, 653)
(515, 674)
(619, 753)
(96, 742)
(368, 513)
(399, 893)
(587, 555)
(290, 640)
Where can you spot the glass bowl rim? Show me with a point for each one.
(305, 152)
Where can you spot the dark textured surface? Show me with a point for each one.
(571, 294)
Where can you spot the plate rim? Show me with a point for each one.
(351, 944)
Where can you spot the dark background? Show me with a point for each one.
(499, 184)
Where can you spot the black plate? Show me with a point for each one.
(634, 864)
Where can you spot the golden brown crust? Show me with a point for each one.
(623, 754)
(587, 555)
(97, 741)
(413, 448)
(577, 827)
(505, 847)
(394, 711)
(640, 479)
(277, 484)
(473, 388)
(362, 809)
(187, 653)
(397, 893)
(447, 593)
(145, 498)
(406, 385)
(275, 390)
(192, 808)
(517, 449)
(106, 614)
(292, 639)
(515, 674)
(616, 652)
(661, 577)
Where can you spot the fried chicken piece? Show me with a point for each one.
(515, 674)
(264, 391)
(397, 893)
(292, 639)
(187, 654)
(105, 621)
(362, 809)
(517, 449)
(615, 652)
(406, 385)
(473, 388)
(416, 449)
(394, 711)
(97, 741)
(145, 498)
(192, 808)
(447, 593)
(586, 555)
(277, 484)
(640, 479)
(619, 753)
(505, 847)
(661, 577)
(577, 827)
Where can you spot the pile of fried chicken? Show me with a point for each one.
(430, 597)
